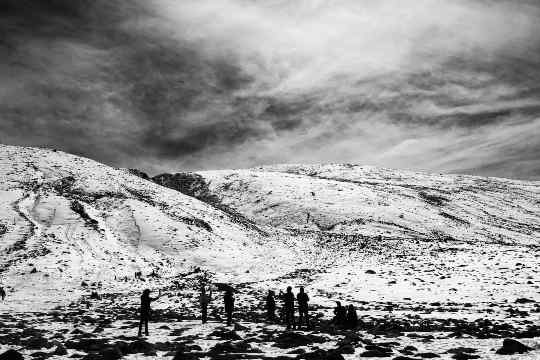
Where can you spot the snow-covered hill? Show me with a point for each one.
(436, 265)
(66, 219)
(373, 202)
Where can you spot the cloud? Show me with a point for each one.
(168, 85)
(305, 44)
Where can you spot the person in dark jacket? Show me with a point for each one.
(146, 300)
(204, 301)
(288, 300)
(270, 306)
(340, 314)
(303, 299)
(228, 300)
(352, 317)
(2, 293)
(281, 297)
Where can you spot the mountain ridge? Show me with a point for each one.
(67, 219)
(330, 195)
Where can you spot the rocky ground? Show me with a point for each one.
(401, 317)
(106, 329)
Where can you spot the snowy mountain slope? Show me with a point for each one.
(64, 219)
(372, 202)
(433, 263)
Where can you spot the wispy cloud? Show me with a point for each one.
(168, 85)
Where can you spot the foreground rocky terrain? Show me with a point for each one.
(404, 328)
(438, 266)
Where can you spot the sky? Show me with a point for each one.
(174, 85)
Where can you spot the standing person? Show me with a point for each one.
(281, 297)
(303, 300)
(340, 314)
(288, 299)
(270, 306)
(352, 317)
(204, 300)
(145, 310)
(228, 299)
(2, 293)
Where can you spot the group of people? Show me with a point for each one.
(345, 317)
(204, 301)
(228, 304)
(289, 309)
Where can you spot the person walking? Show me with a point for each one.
(303, 299)
(146, 300)
(228, 300)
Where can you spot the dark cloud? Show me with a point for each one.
(167, 85)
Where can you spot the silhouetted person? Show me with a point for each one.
(288, 300)
(270, 306)
(352, 317)
(2, 293)
(281, 298)
(303, 307)
(228, 300)
(204, 300)
(340, 314)
(145, 310)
